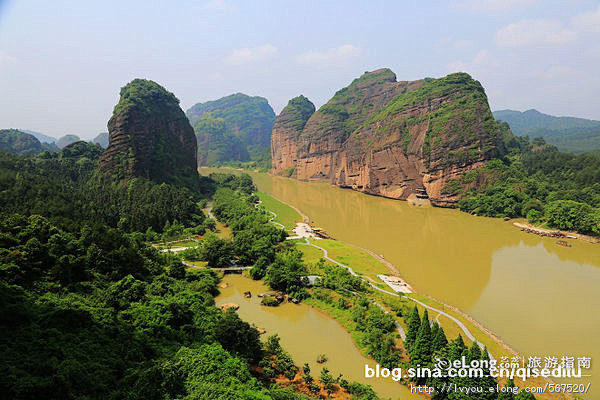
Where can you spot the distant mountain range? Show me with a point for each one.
(40, 136)
(576, 135)
(101, 139)
(20, 142)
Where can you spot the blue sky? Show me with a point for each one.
(62, 62)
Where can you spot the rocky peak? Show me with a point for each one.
(288, 126)
(150, 137)
(394, 139)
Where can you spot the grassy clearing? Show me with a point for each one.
(286, 215)
(197, 264)
(311, 256)
(360, 261)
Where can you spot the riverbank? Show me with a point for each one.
(530, 228)
(454, 320)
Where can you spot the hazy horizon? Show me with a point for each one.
(62, 63)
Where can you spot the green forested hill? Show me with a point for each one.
(67, 140)
(14, 141)
(576, 135)
(535, 181)
(149, 137)
(249, 119)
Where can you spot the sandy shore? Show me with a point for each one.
(569, 234)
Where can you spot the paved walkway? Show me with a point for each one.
(399, 327)
(273, 216)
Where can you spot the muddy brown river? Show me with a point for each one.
(540, 298)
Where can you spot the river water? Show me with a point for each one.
(540, 298)
(305, 333)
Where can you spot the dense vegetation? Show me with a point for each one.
(60, 187)
(297, 112)
(94, 313)
(465, 119)
(242, 133)
(89, 311)
(426, 342)
(217, 144)
(576, 135)
(254, 239)
(14, 141)
(143, 95)
(545, 185)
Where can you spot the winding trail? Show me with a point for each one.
(273, 217)
(400, 330)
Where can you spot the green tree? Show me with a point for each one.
(414, 322)
(218, 252)
(422, 348)
(285, 272)
(507, 393)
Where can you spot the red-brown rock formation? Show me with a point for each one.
(394, 139)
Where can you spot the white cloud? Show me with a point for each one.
(332, 57)
(218, 5)
(217, 76)
(532, 32)
(6, 60)
(457, 66)
(560, 73)
(587, 22)
(593, 52)
(493, 5)
(248, 55)
(458, 44)
(482, 61)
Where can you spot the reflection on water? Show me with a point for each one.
(305, 333)
(541, 298)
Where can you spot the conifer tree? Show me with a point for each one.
(414, 322)
(421, 351)
(439, 339)
(507, 394)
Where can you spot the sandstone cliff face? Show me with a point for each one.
(150, 137)
(287, 128)
(395, 139)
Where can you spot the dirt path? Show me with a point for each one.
(273, 217)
